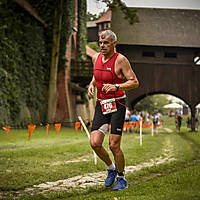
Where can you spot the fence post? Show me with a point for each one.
(140, 132)
(152, 130)
(86, 130)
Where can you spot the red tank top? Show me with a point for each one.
(105, 73)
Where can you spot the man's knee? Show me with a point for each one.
(114, 147)
(95, 144)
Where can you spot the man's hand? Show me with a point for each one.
(91, 91)
(108, 88)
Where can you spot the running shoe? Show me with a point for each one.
(121, 184)
(111, 177)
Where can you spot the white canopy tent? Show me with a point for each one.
(198, 106)
(198, 109)
(173, 105)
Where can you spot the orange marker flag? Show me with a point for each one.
(47, 126)
(7, 129)
(129, 125)
(57, 127)
(77, 125)
(124, 126)
(30, 130)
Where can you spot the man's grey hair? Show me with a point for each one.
(109, 33)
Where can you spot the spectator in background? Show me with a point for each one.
(196, 123)
(188, 122)
(139, 116)
(127, 119)
(178, 121)
(134, 118)
(170, 113)
(155, 120)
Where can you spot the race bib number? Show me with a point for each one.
(108, 106)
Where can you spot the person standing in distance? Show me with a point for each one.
(110, 70)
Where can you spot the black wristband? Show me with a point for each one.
(117, 86)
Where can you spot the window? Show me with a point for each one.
(148, 54)
(170, 55)
(100, 27)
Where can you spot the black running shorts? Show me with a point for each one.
(116, 119)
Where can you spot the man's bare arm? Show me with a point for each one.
(123, 70)
(132, 81)
(93, 82)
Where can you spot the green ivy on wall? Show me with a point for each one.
(82, 30)
(25, 56)
(67, 25)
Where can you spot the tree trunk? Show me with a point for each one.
(54, 62)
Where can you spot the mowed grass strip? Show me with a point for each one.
(24, 163)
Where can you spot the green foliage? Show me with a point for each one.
(130, 13)
(82, 30)
(94, 17)
(67, 26)
(91, 17)
(152, 103)
(25, 57)
(94, 45)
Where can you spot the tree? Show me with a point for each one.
(94, 17)
(91, 17)
(94, 45)
(52, 100)
(153, 103)
(130, 14)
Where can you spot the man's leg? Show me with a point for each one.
(96, 141)
(114, 144)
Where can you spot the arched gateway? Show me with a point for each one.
(164, 49)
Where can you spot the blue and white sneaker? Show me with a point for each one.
(121, 184)
(111, 177)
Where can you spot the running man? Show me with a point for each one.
(110, 70)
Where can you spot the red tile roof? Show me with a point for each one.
(105, 18)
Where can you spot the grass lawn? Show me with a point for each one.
(53, 157)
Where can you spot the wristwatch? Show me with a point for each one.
(117, 86)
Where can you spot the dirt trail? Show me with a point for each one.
(91, 179)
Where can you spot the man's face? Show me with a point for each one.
(106, 45)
